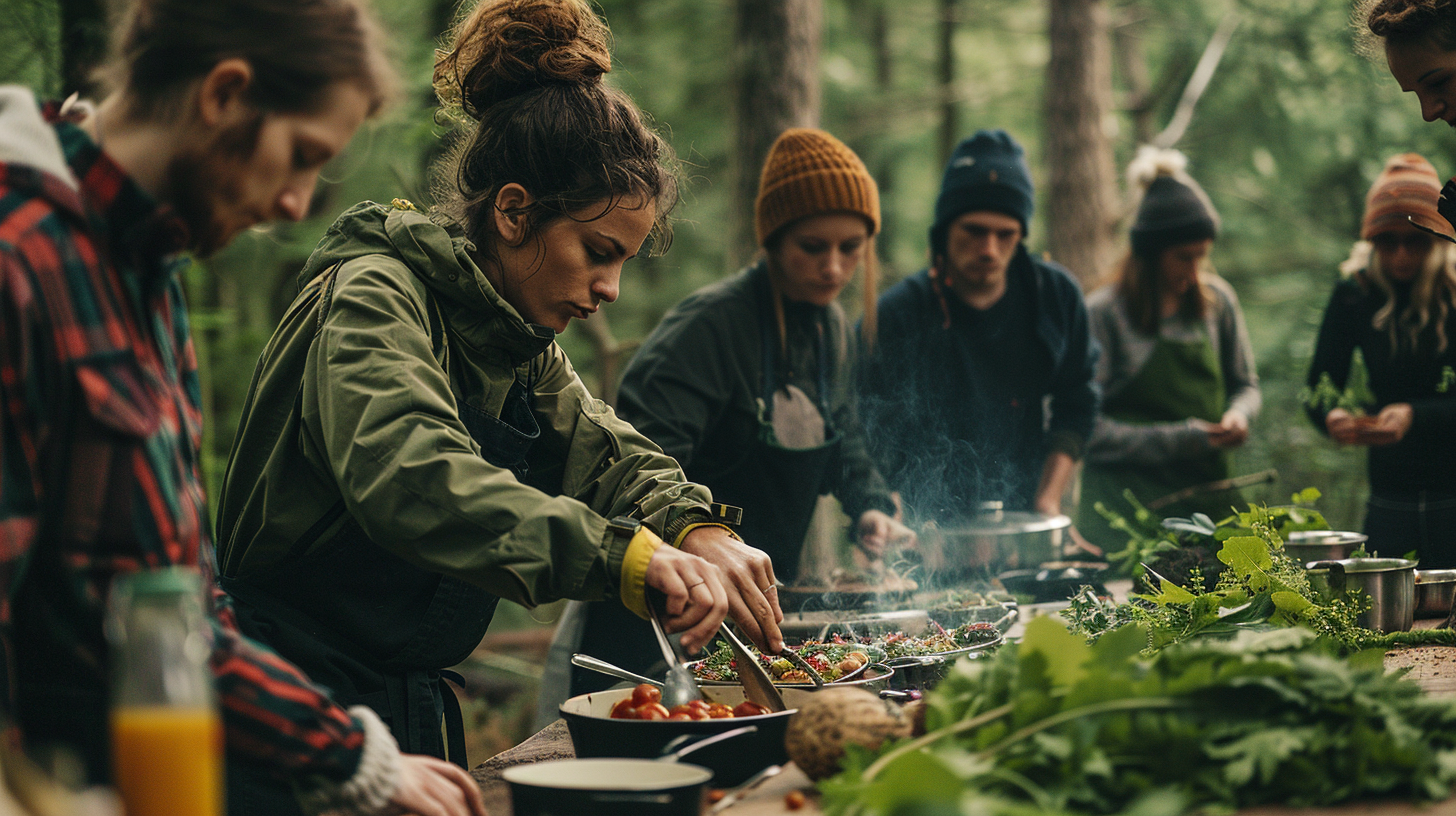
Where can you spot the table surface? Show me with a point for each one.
(1432, 667)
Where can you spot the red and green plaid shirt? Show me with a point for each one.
(100, 430)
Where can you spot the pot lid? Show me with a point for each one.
(1004, 522)
(1326, 537)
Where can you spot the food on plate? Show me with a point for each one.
(646, 704)
(835, 717)
(841, 658)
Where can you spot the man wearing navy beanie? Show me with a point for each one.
(978, 387)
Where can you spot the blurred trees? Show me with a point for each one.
(1286, 139)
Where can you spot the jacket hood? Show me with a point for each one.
(437, 252)
(27, 139)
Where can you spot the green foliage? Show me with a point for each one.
(1355, 397)
(1262, 588)
(1053, 725)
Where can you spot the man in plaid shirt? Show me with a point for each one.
(221, 117)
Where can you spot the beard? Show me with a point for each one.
(198, 182)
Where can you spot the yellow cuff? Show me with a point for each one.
(691, 527)
(634, 570)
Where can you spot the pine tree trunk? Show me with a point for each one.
(776, 72)
(83, 44)
(945, 69)
(1081, 192)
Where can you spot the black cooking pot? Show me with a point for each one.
(595, 734)
(609, 787)
(1056, 580)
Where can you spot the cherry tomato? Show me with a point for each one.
(652, 711)
(793, 800)
(645, 693)
(720, 711)
(680, 715)
(748, 708)
(624, 710)
(716, 795)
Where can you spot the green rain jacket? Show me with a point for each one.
(352, 402)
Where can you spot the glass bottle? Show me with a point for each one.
(166, 734)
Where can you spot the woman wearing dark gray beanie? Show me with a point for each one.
(1177, 370)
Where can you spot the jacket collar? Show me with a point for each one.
(439, 254)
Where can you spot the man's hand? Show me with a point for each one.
(434, 787)
(753, 598)
(877, 531)
(1230, 432)
(696, 597)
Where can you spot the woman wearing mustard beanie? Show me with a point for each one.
(746, 382)
(1396, 302)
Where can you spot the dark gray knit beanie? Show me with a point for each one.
(1174, 209)
(986, 172)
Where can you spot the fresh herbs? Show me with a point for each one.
(1054, 724)
(1355, 397)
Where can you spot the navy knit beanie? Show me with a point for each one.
(1174, 209)
(986, 172)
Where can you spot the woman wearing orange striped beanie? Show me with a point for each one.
(1396, 304)
(746, 382)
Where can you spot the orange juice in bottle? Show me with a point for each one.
(166, 734)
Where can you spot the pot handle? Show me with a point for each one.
(1336, 571)
(672, 751)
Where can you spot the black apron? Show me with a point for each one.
(777, 487)
(375, 629)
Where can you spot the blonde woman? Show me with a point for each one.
(1394, 302)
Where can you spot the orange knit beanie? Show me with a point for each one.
(1408, 186)
(809, 172)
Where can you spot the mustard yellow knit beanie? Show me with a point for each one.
(809, 172)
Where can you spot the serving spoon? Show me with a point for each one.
(598, 665)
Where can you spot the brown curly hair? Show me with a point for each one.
(525, 76)
(1377, 22)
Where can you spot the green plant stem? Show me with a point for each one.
(926, 739)
(1105, 707)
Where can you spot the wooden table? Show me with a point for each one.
(1433, 667)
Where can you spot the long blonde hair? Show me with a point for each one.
(1432, 298)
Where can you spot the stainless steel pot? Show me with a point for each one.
(996, 538)
(1322, 545)
(1389, 582)
(1435, 592)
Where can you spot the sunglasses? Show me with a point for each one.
(1412, 241)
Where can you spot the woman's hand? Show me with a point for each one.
(1341, 425)
(434, 787)
(1391, 425)
(877, 531)
(1230, 432)
(752, 591)
(696, 598)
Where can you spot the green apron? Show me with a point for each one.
(1180, 380)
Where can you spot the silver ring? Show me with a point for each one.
(769, 588)
(698, 584)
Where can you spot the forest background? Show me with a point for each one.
(1289, 131)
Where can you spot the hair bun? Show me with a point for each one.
(505, 48)
(1152, 162)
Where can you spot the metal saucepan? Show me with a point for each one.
(798, 627)
(1435, 592)
(993, 538)
(1390, 583)
(595, 734)
(1322, 545)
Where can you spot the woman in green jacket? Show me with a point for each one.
(416, 445)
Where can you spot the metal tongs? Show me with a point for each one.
(758, 687)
